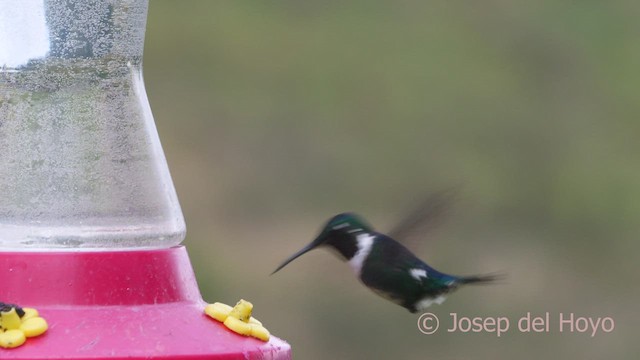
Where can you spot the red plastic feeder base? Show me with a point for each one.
(120, 305)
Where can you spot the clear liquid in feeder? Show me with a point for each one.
(81, 165)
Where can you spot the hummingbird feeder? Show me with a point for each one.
(90, 224)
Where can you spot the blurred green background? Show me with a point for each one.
(274, 116)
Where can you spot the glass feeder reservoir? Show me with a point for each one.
(80, 163)
(90, 224)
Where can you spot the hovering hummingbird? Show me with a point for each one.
(386, 266)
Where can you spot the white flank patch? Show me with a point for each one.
(365, 242)
(418, 273)
(426, 302)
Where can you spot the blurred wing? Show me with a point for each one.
(424, 217)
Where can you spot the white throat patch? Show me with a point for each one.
(365, 242)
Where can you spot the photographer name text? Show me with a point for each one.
(429, 323)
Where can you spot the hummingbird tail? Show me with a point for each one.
(482, 279)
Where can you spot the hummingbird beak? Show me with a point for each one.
(303, 251)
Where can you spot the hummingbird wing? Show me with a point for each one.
(428, 214)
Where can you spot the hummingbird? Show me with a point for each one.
(386, 266)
